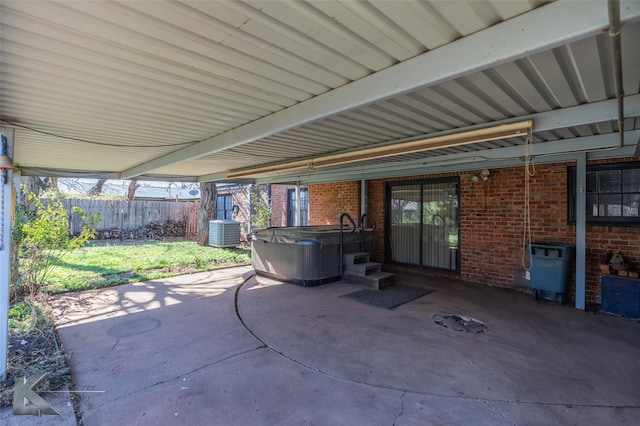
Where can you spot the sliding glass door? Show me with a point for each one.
(404, 232)
(422, 219)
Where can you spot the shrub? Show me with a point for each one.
(41, 235)
(260, 209)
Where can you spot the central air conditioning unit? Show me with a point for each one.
(224, 233)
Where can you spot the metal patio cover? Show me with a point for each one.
(193, 90)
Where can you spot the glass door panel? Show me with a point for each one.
(404, 233)
(423, 224)
(440, 225)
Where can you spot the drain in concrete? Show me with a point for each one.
(460, 323)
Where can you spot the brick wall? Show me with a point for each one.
(239, 198)
(599, 238)
(491, 223)
(328, 201)
(279, 204)
(375, 210)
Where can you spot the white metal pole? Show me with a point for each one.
(249, 211)
(363, 200)
(298, 218)
(581, 220)
(5, 221)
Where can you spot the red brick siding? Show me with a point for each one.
(279, 204)
(328, 201)
(599, 238)
(239, 198)
(375, 210)
(491, 223)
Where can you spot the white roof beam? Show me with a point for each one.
(579, 115)
(544, 28)
(599, 146)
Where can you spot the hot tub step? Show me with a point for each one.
(357, 257)
(375, 280)
(365, 268)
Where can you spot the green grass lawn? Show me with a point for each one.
(102, 264)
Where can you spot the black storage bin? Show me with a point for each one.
(550, 267)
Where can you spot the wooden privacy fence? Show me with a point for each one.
(191, 230)
(128, 215)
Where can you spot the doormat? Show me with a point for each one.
(389, 297)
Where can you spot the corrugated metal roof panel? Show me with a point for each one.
(158, 76)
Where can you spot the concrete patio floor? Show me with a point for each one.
(178, 351)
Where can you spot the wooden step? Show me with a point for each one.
(365, 268)
(354, 258)
(374, 281)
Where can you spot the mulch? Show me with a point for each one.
(31, 355)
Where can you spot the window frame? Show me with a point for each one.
(304, 211)
(599, 220)
(388, 190)
(224, 210)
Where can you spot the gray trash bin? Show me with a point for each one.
(550, 267)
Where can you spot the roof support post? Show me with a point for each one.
(249, 211)
(298, 205)
(581, 205)
(5, 254)
(363, 200)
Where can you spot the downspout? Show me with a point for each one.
(616, 44)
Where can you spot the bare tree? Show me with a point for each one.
(208, 210)
(97, 188)
(52, 183)
(131, 191)
(73, 184)
(36, 185)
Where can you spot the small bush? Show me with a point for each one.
(39, 237)
(27, 316)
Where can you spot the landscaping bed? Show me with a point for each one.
(32, 350)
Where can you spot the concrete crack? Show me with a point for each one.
(411, 391)
(495, 409)
(279, 352)
(401, 408)
(204, 366)
(174, 378)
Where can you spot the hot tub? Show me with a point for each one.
(305, 255)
